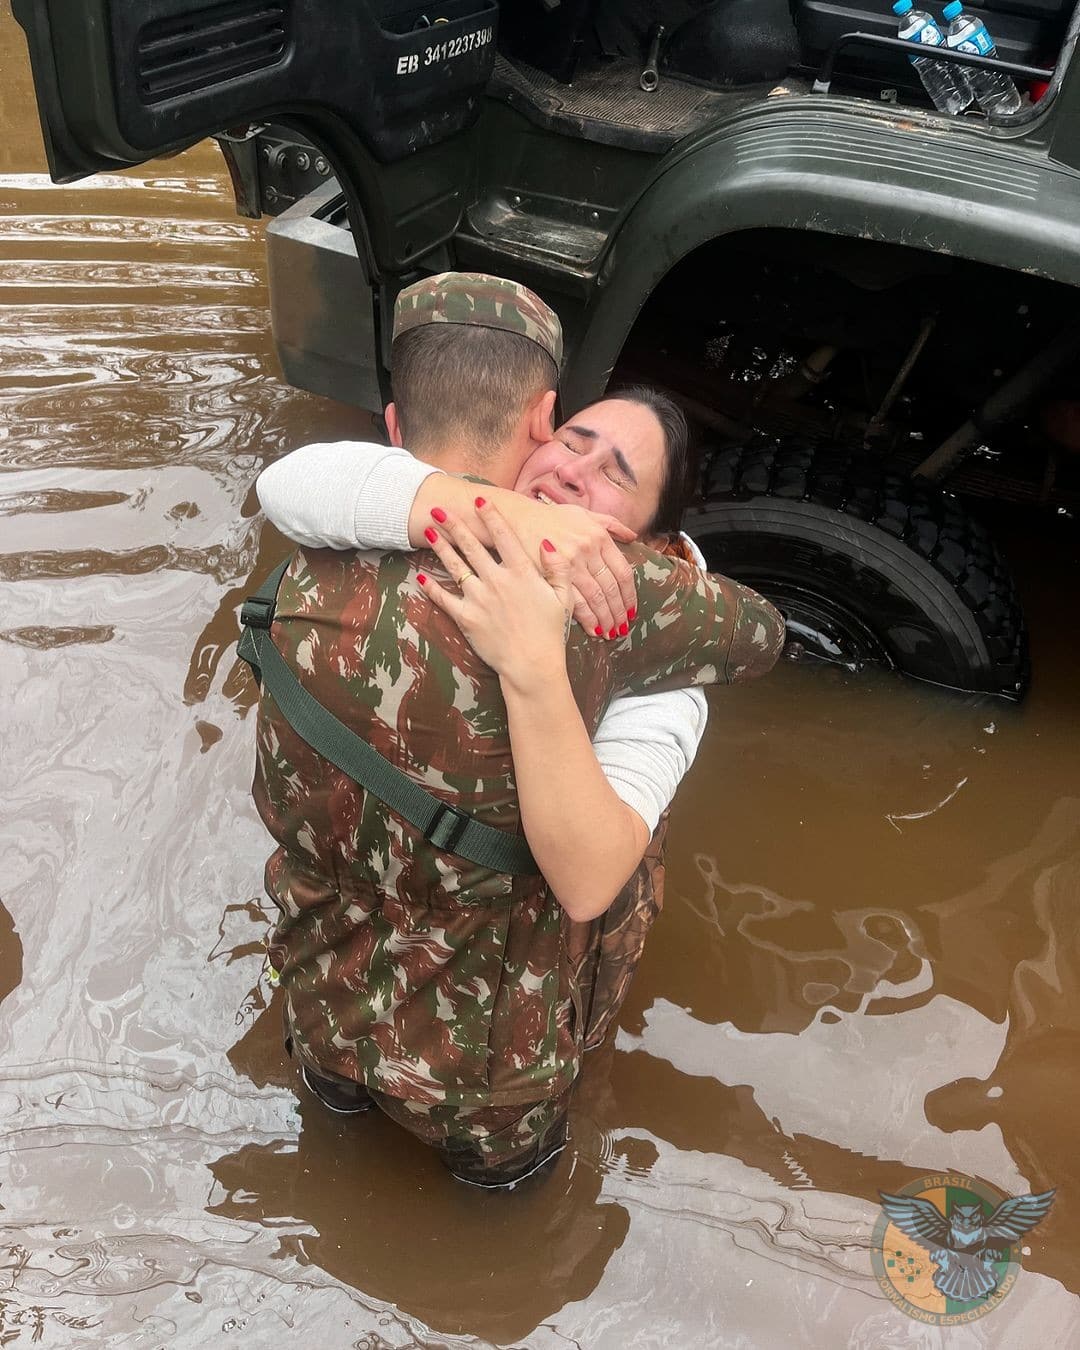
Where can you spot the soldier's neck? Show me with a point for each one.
(499, 470)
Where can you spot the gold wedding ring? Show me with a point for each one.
(464, 577)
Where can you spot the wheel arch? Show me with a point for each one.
(1001, 207)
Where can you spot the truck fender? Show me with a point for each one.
(813, 165)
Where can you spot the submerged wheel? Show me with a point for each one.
(866, 564)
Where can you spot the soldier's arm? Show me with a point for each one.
(695, 628)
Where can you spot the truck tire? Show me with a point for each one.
(866, 564)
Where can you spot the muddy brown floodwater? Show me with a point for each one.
(867, 971)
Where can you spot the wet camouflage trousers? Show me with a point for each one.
(488, 1145)
(495, 1145)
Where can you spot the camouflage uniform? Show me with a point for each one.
(427, 979)
(405, 968)
(487, 1145)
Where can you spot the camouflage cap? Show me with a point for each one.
(475, 298)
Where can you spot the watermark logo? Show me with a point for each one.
(947, 1248)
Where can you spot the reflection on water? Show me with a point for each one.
(867, 971)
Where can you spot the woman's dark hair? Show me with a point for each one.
(675, 483)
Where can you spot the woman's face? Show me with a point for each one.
(608, 458)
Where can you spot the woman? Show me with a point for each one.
(623, 458)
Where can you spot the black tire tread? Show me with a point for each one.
(932, 523)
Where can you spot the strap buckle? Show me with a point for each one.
(257, 612)
(446, 827)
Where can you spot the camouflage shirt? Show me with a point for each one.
(403, 967)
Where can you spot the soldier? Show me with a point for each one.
(433, 988)
(351, 494)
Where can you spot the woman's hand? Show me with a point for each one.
(514, 611)
(604, 600)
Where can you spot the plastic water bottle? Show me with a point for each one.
(994, 90)
(948, 92)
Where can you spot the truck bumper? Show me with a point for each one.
(322, 305)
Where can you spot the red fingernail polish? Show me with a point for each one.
(631, 613)
(548, 545)
(430, 535)
(612, 633)
(598, 631)
(421, 578)
(437, 513)
(480, 502)
(624, 628)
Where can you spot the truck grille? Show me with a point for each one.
(195, 51)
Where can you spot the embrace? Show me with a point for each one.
(492, 605)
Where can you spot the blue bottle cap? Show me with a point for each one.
(952, 10)
(902, 6)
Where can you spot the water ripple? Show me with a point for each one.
(46, 638)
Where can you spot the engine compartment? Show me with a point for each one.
(726, 44)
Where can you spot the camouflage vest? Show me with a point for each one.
(403, 967)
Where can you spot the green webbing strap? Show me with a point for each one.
(443, 825)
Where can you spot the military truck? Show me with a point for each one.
(866, 306)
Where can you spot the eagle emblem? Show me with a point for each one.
(966, 1245)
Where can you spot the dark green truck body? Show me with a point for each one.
(854, 230)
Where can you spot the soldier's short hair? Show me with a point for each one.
(463, 382)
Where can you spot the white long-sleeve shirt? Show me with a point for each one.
(358, 494)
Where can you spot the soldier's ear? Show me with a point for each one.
(393, 425)
(542, 417)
